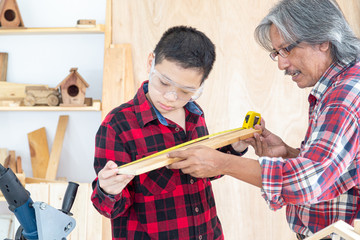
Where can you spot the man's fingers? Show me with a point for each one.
(179, 154)
(179, 165)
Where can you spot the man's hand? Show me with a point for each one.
(267, 144)
(110, 181)
(199, 162)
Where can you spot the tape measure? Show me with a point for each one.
(251, 119)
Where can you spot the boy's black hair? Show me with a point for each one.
(188, 47)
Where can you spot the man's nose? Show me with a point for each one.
(283, 63)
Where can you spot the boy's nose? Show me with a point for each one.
(171, 96)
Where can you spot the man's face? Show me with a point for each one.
(305, 63)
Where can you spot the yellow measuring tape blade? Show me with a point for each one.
(181, 145)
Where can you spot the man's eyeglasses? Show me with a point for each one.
(283, 52)
(165, 86)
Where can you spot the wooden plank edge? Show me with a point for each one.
(162, 160)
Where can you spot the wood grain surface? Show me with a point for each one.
(243, 78)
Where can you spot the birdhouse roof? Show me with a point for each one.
(73, 71)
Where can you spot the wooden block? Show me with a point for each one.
(19, 165)
(3, 66)
(7, 162)
(39, 152)
(21, 177)
(11, 91)
(3, 155)
(56, 148)
(86, 21)
(12, 163)
(118, 77)
(161, 160)
(83, 23)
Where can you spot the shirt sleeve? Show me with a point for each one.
(325, 167)
(108, 146)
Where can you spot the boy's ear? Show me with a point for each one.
(149, 62)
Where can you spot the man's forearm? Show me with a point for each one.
(244, 169)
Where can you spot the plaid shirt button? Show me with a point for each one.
(197, 209)
(177, 129)
(191, 181)
(200, 237)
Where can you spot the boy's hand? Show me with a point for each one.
(110, 182)
(240, 146)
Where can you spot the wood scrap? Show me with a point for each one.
(150, 163)
(3, 155)
(7, 162)
(19, 165)
(39, 152)
(12, 163)
(56, 148)
(3, 66)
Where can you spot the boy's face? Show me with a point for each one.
(171, 86)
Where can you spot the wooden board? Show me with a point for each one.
(3, 155)
(41, 180)
(19, 168)
(56, 148)
(39, 152)
(341, 228)
(149, 164)
(3, 66)
(118, 83)
(12, 163)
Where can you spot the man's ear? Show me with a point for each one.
(149, 62)
(325, 46)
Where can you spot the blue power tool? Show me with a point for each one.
(38, 220)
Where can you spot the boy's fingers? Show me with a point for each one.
(110, 165)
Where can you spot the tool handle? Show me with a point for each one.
(69, 197)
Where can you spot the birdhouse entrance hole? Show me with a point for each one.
(73, 90)
(9, 15)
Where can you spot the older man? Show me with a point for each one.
(318, 182)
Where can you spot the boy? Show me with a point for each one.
(164, 203)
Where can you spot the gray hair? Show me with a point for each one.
(313, 22)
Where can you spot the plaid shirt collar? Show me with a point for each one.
(327, 79)
(146, 112)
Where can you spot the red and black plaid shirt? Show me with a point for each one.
(164, 203)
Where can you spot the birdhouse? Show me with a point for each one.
(10, 14)
(73, 89)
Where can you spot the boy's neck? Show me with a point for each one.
(177, 116)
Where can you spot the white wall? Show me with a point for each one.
(47, 59)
